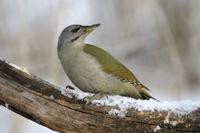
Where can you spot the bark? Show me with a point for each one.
(31, 97)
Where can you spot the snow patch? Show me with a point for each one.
(15, 66)
(167, 117)
(2, 59)
(157, 128)
(118, 112)
(20, 68)
(75, 93)
(7, 105)
(52, 97)
(122, 104)
(173, 123)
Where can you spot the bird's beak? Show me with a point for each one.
(90, 28)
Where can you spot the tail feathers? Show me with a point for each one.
(145, 87)
(146, 95)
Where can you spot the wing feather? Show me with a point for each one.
(112, 66)
(109, 64)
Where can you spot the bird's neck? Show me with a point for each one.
(69, 50)
(64, 44)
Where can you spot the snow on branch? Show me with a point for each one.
(63, 110)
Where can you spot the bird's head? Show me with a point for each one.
(76, 33)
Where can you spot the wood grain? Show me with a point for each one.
(31, 97)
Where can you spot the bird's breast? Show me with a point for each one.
(86, 73)
(81, 68)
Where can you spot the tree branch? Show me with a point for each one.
(31, 97)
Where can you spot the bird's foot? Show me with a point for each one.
(70, 87)
(97, 96)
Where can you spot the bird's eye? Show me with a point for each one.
(75, 30)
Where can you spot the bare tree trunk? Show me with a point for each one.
(31, 97)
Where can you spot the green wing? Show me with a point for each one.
(109, 64)
(112, 66)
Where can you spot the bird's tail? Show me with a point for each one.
(146, 95)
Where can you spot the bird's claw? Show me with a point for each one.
(97, 96)
(70, 87)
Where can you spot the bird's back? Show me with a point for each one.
(108, 63)
(112, 66)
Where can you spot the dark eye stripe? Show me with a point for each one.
(75, 30)
(76, 38)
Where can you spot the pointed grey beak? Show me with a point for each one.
(90, 28)
(94, 26)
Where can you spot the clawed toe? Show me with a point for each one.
(97, 96)
(69, 87)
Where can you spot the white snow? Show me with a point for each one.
(173, 123)
(1, 58)
(7, 105)
(16, 66)
(157, 128)
(75, 93)
(121, 104)
(20, 68)
(52, 97)
(118, 112)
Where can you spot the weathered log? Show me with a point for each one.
(43, 103)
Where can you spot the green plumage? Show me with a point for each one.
(112, 66)
(94, 70)
(108, 63)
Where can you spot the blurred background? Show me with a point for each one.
(158, 40)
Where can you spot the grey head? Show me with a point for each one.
(75, 33)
